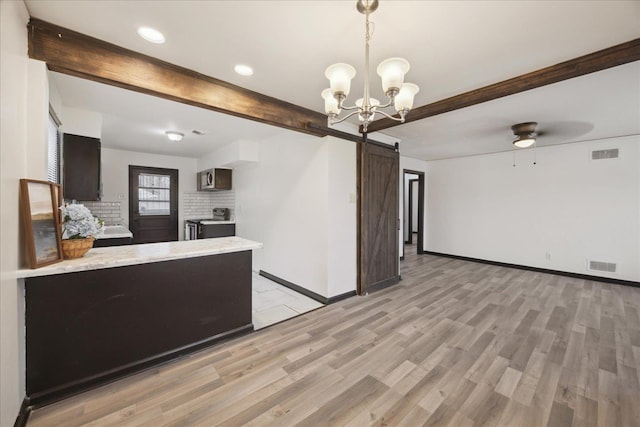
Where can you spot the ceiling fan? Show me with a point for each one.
(525, 134)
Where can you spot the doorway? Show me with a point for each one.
(413, 218)
(153, 204)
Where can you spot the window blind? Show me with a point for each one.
(53, 152)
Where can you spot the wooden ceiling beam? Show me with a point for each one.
(76, 54)
(597, 61)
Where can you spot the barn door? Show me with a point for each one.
(378, 168)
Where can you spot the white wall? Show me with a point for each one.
(19, 141)
(567, 206)
(115, 177)
(231, 155)
(283, 201)
(342, 217)
(81, 122)
(55, 100)
(409, 163)
(37, 119)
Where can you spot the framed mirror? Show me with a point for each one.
(39, 212)
(57, 191)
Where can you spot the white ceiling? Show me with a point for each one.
(138, 122)
(453, 47)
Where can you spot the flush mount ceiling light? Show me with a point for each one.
(525, 134)
(151, 35)
(243, 70)
(391, 71)
(174, 136)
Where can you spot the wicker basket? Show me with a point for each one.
(76, 248)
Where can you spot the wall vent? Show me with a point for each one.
(612, 153)
(609, 267)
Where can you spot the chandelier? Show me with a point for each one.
(391, 71)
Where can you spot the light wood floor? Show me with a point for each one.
(455, 343)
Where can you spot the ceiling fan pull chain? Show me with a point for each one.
(513, 151)
(534, 153)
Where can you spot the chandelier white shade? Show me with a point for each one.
(340, 76)
(330, 103)
(404, 98)
(391, 72)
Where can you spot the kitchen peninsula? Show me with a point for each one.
(121, 309)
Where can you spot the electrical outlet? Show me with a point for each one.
(352, 198)
(548, 256)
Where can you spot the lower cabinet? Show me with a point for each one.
(118, 241)
(89, 328)
(209, 231)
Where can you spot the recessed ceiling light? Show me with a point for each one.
(174, 136)
(243, 70)
(151, 35)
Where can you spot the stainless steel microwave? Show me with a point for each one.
(208, 180)
(214, 179)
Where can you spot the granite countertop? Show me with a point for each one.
(114, 232)
(117, 256)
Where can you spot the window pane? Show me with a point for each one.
(154, 181)
(153, 208)
(153, 194)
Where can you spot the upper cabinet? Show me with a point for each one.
(81, 167)
(214, 179)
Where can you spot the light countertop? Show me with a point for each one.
(114, 232)
(215, 222)
(117, 256)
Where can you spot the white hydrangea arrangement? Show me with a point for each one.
(78, 222)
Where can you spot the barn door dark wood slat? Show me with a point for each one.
(379, 192)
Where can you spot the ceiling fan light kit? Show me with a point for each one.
(391, 72)
(525, 134)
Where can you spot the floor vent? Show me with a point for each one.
(612, 153)
(609, 267)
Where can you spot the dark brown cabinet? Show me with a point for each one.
(208, 231)
(214, 179)
(90, 327)
(118, 241)
(81, 167)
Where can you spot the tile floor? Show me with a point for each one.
(273, 303)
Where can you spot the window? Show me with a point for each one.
(53, 149)
(154, 194)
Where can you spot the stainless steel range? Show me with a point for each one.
(208, 228)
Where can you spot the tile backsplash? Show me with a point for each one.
(200, 204)
(109, 212)
(196, 205)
